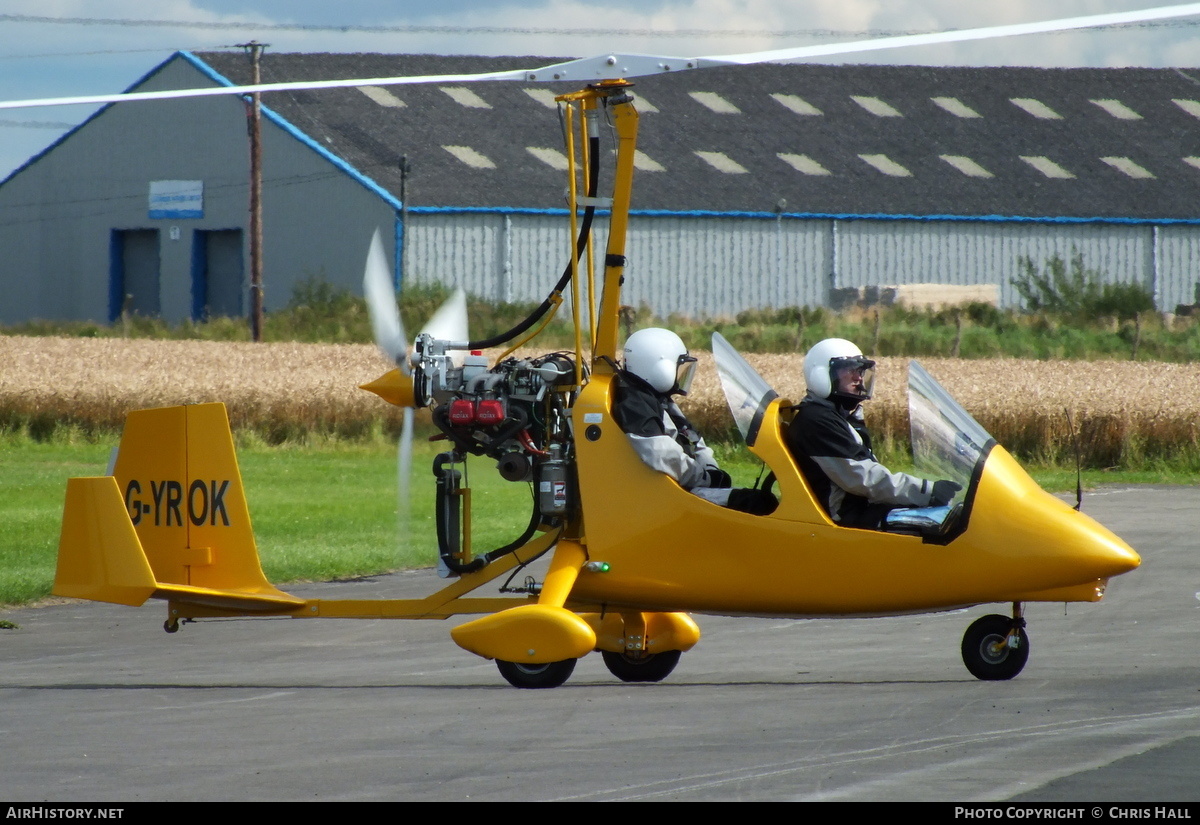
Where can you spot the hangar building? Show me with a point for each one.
(757, 186)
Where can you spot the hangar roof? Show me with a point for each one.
(854, 140)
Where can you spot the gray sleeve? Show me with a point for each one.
(662, 453)
(876, 483)
(705, 457)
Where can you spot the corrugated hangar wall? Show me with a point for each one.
(720, 265)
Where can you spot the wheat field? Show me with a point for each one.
(1123, 412)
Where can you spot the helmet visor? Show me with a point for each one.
(852, 377)
(685, 371)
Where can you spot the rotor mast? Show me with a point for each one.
(614, 96)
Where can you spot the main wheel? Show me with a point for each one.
(985, 652)
(549, 675)
(652, 667)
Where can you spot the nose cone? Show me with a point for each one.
(393, 387)
(1047, 543)
(1094, 544)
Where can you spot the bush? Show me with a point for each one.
(320, 312)
(1080, 294)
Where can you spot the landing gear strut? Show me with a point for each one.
(996, 647)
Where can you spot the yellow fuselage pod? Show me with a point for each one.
(669, 550)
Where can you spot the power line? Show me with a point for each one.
(522, 30)
(37, 124)
(158, 50)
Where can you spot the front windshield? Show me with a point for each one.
(946, 441)
(746, 392)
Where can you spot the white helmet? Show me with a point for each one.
(658, 357)
(831, 356)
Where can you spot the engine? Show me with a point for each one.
(516, 412)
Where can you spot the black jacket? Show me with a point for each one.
(833, 448)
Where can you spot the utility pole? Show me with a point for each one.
(254, 50)
(402, 240)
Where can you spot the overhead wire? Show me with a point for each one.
(417, 28)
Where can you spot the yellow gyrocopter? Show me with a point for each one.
(631, 554)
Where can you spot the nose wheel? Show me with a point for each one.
(996, 647)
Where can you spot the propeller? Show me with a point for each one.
(639, 65)
(381, 304)
(396, 386)
(448, 323)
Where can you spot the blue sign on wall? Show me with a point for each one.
(176, 199)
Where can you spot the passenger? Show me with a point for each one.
(832, 445)
(657, 367)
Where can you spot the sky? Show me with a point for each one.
(51, 48)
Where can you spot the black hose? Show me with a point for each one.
(585, 231)
(446, 512)
(534, 520)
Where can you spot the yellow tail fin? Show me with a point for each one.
(170, 522)
(99, 557)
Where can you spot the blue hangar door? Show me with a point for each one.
(218, 279)
(134, 282)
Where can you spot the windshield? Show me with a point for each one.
(745, 390)
(946, 441)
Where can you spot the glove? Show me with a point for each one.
(754, 502)
(943, 492)
(716, 477)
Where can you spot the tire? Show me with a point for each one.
(980, 653)
(652, 667)
(534, 677)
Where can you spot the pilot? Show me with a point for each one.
(657, 367)
(830, 442)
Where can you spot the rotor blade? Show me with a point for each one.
(121, 97)
(961, 35)
(582, 70)
(404, 473)
(449, 323)
(632, 65)
(381, 305)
